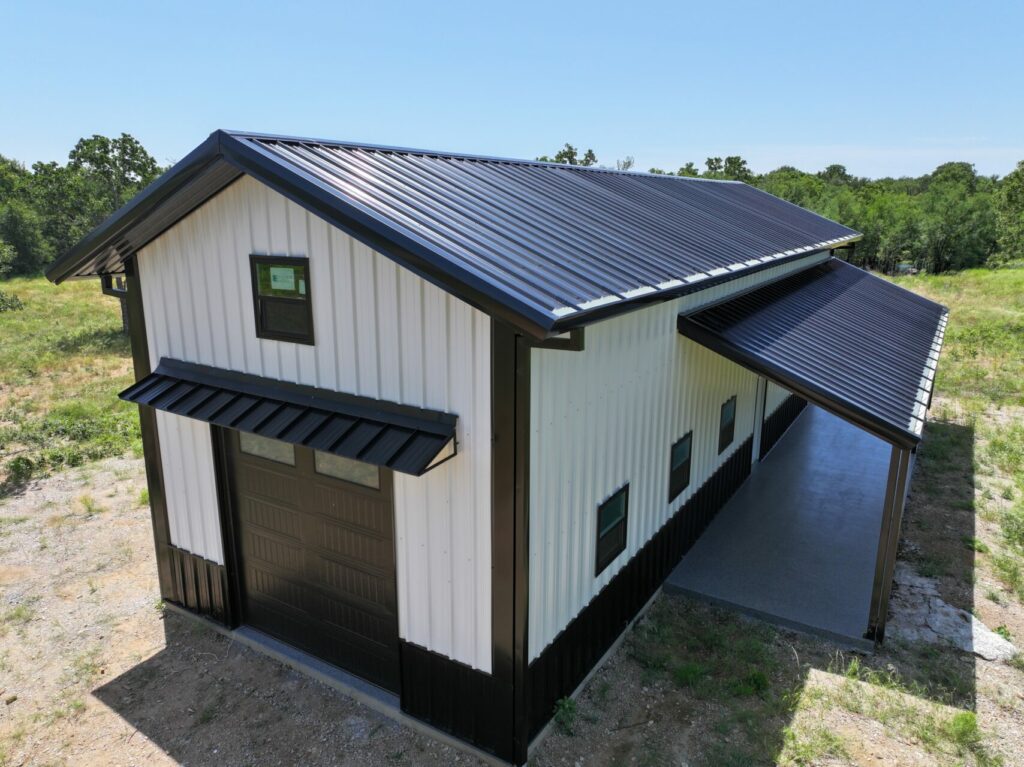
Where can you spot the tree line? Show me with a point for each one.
(46, 209)
(949, 219)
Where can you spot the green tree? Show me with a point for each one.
(735, 168)
(568, 155)
(1010, 215)
(688, 170)
(114, 169)
(21, 229)
(713, 167)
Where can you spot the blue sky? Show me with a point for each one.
(888, 88)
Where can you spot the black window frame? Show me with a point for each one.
(614, 538)
(726, 431)
(679, 476)
(259, 302)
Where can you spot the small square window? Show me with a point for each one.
(679, 466)
(264, 447)
(611, 528)
(281, 298)
(727, 424)
(339, 467)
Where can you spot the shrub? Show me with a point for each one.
(565, 715)
(10, 302)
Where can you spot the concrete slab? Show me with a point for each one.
(796, 544)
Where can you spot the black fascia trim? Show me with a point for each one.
(137, 208)
(840, 407)
(401, 247)
(432, 421)
(583, 318)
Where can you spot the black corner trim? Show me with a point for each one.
(778, 422)
(457, 699)
(558, 670)
(199, 585)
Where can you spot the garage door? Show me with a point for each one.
(315, 534)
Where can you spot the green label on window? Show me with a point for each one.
(283, 278)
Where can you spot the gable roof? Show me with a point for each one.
(543, 246)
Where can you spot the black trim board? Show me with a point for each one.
(782, 418)
(560, 668)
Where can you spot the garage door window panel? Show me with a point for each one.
(266, 448)
(347, 469)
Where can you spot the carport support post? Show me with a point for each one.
(888, 541)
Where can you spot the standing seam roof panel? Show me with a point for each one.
(541, 245)
(850, 340)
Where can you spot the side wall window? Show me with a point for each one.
(727, 424)
(611, 528)
(679, 466)
(282, 298)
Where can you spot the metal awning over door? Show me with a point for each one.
(853, 343)
(408, 439)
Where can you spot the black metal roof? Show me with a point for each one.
(541, 245)
(403, 438)
(845, 339)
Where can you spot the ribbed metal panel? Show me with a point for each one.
(186, 458)
(383, 333)
(609, 415)
(853, 342)
(558, 238)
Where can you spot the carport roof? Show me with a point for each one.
(543, 246)
(407, 439)
(849, 341)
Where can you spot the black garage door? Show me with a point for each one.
(316, 547)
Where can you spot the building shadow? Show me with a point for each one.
(205, 699)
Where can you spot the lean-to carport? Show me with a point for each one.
(858, 347)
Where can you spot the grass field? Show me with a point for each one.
(63, 358)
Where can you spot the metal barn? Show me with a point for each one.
(447, 422)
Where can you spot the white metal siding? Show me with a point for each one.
(186, 455)
(381, 332)
(775, 396)
(609, 415)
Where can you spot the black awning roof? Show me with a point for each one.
(407, 439)
(855, 344)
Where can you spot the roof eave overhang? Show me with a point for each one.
(895, 435)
